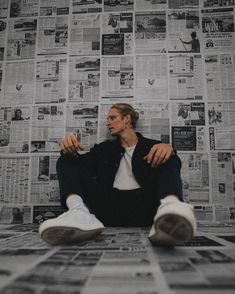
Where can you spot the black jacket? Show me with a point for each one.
(103, 160)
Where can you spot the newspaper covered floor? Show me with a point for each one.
(120, 260)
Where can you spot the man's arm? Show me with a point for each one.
(159, 154)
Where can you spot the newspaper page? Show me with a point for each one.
(221, 125)
(189, 138)
(85, 34)
(118, 5)
(220, 76)
(150, 5)
(44, 183)
(117, 77)
(222, 214)
(14, 129)
(47, 128)
(24, 8)
(218, 3)
(16, 260)
(44, 212)
(21, 38)
(183, 31)
(117, 33)
(82, 120)
(177, 4)
(151, 77)
(204, 213)
(218, 29)
(186, 77)
(54, 7)
(3, 29)
(195, 177)
(150, 32)
(15, 214)
(87, 6)
(188, 114)
(204, 270)
(122, 257)
(19, 83)
(222, 166)
(14, 179)
(52, 35)
(51, 79)
(1, 88)
(4, 8)
(153, 121)
(84, 79)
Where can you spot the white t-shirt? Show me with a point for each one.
(124, 179)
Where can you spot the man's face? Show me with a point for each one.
(115, 122)
(18, 114)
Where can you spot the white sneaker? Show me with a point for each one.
(72, 226)
(174, 223)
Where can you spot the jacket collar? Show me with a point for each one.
(117, 141)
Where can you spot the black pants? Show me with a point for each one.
(116, 207)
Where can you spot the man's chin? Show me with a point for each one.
(113, 134)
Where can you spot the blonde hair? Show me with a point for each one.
(125, 109)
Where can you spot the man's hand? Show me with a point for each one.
(158, 154)
(70, 144)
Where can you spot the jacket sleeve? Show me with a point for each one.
(89, 159)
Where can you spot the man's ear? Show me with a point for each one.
(127, 118)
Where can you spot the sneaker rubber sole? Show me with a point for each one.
(68, 235)
(171, 230)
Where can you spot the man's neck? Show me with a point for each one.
(129, 138)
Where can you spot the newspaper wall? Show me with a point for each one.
(151, 77)
(54, 7)
(51, 79)
(63, 63)
(4, 8)
(3, 29)
(47, 127)
(220, 76)
(15, 129)
(117, 34)
(52, 35)
(84, 79)
(183, 31)
(18, 87)
(85, 34)
(186, 77)
(150, 32)
(21, 39)
(117, 78)
(82, 120)
(218, 29)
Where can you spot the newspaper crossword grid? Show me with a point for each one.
(120, 260)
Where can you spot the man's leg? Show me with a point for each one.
(174, 221)
(84, 199)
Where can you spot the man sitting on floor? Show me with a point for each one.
(127, 181)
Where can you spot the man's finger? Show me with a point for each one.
(150, 155)
(157, 159)
(70, 144)
(67, 146)
(160, 155)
